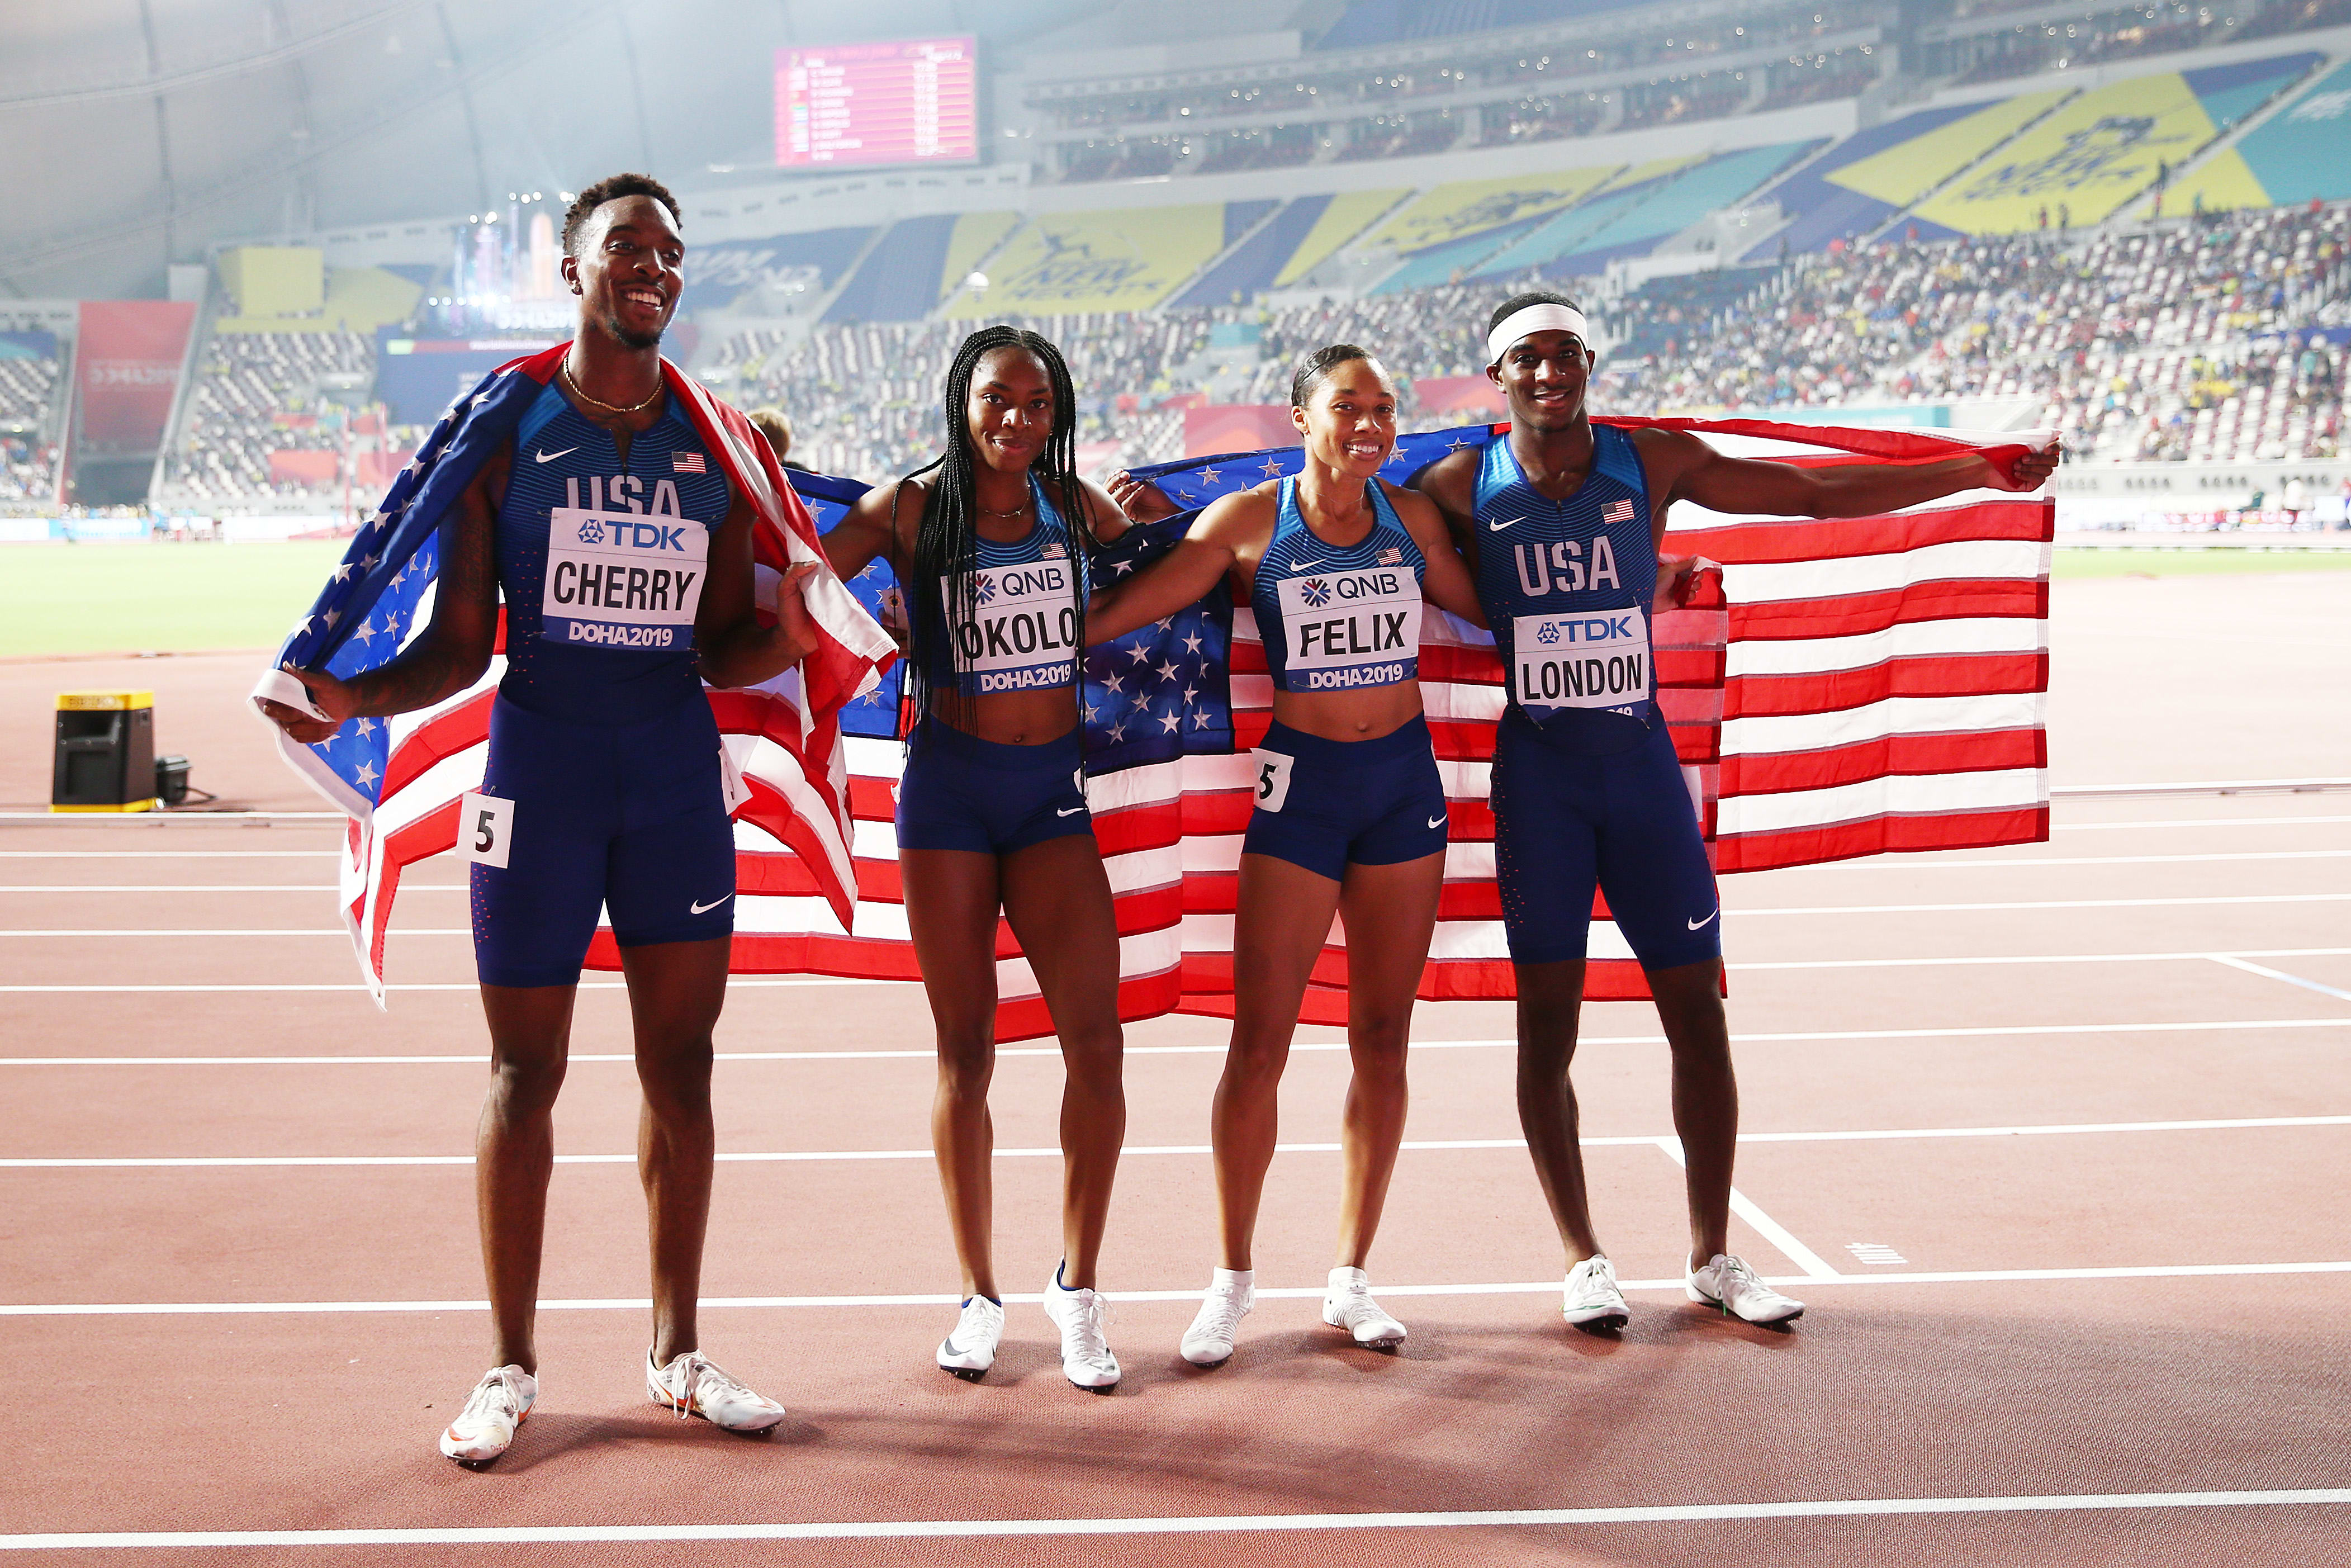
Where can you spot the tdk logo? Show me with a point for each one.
(633, 535)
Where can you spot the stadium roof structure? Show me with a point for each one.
(158, 128)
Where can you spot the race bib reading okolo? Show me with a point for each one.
(1350, 629)
(621, 580)
(1023, 629)
(1596, 659)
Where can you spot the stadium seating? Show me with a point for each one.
(1635, 214)
(2097, 151)
(1064, 264)
(2302, 154)
(1454, 228)
(258, 398)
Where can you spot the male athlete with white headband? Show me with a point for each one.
(1562, 521)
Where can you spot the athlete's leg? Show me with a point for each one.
(1706, 1096)
(1057, 897)
(1551, 1000)
(675, 992)
(1390, 913)
(513, 1155)
(952, 898)
(1282, 920)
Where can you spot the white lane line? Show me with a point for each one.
(1190, 1293)
(2015, 958)
(2194, 822)
(169, 854)
(1915, 863)
(1815, 1266)
(1671, 1146)
(1186, 1524)
(1984, 1032)
(2233, 962)
(2049, 904)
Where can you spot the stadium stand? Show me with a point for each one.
(1871, 176)
(1065, 264)
(260, 422)
(2097, 151)
(1636, 214)
(2302, 154)
(723, 271)
(899, 279)
(29, 370)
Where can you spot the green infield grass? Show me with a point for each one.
(156, 598)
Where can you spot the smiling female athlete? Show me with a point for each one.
(1350, 817)
(991, 543)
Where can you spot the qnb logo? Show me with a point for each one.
(982, 591)
(1315, 593)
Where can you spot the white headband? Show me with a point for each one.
(1535, 318)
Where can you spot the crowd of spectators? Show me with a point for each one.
(29, 469)
(2211, 339)
(28, 388)
(259, 392)
(2198, 340)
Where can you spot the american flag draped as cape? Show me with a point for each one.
(1840, 688)
(400, 778)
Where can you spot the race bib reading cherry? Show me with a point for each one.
(1599, 658)
(1023, 629)
(1351, 628)
(622, 579)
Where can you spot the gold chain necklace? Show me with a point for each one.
(564, 369)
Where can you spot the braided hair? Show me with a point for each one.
(946, 544)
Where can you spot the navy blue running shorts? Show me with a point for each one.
(1322, 804)
(960, 792)
(630, 818)
(1565, 822)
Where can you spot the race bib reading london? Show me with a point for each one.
(1023, 629)
(1350, 629)
(622, 580)
(1597, 659)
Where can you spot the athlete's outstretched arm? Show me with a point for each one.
(1696, 472)
(870, 531)
(1140, 498)
(1199, 560)
(732, 648)
(1447, 583)
(455, 648)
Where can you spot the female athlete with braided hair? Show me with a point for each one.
(991, 544)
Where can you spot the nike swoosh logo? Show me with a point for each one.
(1304, 564)
(1436, 822)
(1070, 812)
(1696, 925)
(706, 908)
(1498, 528)
(551, 457)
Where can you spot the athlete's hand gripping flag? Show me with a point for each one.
(400, 778)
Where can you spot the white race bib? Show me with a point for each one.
(1023, 629)
(1598, 658)
(622, 580)
(1269, 778)
(484, 829)
(1350, 629)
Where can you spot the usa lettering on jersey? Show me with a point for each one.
(630, 579)
(1347, 630)
(1022, 633)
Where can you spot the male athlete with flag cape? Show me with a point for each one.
(624, 516)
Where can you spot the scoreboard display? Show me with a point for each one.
(856, 105)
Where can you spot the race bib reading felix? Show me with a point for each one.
(1351, 628)
(1023, 629)
(1598, 659)
(619, 579)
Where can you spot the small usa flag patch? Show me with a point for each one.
(1391, 557)
(694, 463)
(1616, 512)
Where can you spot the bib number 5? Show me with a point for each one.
(1270, 777)
(485, 829)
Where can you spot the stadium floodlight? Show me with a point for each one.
(977, 282)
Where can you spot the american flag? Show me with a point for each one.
(687, 463)
(400, 779)
(1836, 689)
